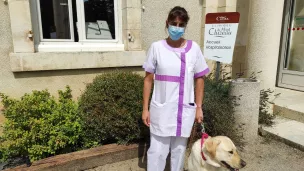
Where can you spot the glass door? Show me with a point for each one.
(291, 73)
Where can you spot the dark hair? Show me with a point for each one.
(179, 12)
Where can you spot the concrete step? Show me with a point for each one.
(289, 113)
(289, 131)
(290, 104)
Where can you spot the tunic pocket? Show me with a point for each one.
(163, 118)
(188, 119)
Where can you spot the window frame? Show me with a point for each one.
(81, 18)
(72, 39)
(65, 45)
(283, 72)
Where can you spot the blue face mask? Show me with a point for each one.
(176, 33)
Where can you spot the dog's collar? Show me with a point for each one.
(204, 136)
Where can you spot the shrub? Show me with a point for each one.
(38, 126)
(218, 109)
(265, 117)
(111, 108)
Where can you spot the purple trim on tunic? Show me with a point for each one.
(180, 50)
(189, 45)
(181, 96)
(200, 74)
(167, 78)
(181, 90)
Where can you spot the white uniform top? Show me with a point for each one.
(172, 107)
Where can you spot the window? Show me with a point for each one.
(78, 23)
(295, 58)
(99, 19)
(56, 21)
(291, 71)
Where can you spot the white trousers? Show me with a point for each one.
(159, 150)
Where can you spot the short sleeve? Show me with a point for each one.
(150, 63)
(201, 68)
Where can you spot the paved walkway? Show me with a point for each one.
(268, 155)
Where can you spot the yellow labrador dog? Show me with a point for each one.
(214, 154)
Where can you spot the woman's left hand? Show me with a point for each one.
(199, 115)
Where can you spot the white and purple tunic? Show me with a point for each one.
(172, 107)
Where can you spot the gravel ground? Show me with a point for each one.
(268, 155)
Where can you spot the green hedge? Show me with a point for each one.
(111, 108)
(37, 126)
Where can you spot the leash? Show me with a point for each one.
(203, 128)
(204, 136)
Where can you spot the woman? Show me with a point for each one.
(174, 63)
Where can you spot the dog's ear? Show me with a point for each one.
(211, 145)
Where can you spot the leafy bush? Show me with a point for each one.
(111, 108)
(38, 126)
(218, 108)
(265, 117)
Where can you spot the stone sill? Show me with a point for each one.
(21, 62)
(87, 159)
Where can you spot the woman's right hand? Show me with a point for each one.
(146, 117)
